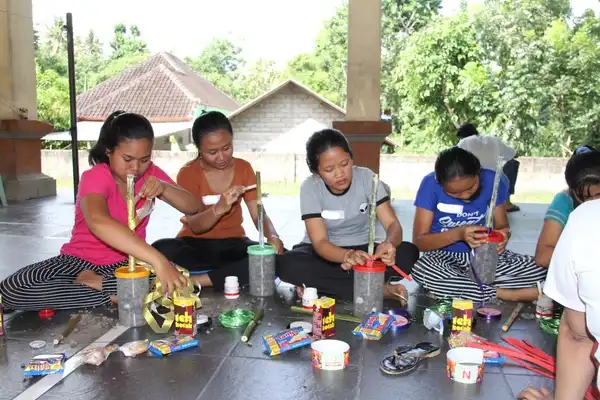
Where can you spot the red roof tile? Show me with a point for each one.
(162, 88)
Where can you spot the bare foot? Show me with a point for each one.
(113, 299)
(396, 292)
(89, 278)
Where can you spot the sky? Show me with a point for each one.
(273, 29)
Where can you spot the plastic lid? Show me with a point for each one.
(46, 313)
(371, 267)
(231, 279)
(258, 250)
(495, 237)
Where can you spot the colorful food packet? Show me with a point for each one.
(286, 340)
(132, 349)
(374, 326)
(172, 344)
(461, 339)
(46, 364)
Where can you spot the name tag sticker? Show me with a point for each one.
(211, 199)
(450, 208)
(332, 214)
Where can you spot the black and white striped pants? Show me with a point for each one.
(445, 274)
(50, 284)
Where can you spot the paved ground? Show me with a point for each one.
(222, 367)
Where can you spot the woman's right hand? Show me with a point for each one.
(228, 199)
(533, 394)
(473, 235)
(354, 257)
(169, 276)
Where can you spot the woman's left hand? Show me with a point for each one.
(152, 188)
(277, 243)
(386, 252)
(502, 245)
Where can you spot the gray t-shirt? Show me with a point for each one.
(346, 215)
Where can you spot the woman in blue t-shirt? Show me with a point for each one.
(582, 174)
(452, 203)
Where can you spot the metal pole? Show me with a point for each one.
(73, 103)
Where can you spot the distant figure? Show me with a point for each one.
(488, 149)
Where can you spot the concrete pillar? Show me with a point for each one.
(20, 133)
(363, 126)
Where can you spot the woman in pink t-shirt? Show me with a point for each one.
(83, 274)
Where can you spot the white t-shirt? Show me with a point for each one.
(487, 149)
(574, 273)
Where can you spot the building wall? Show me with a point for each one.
(400, 172)
(286, 109)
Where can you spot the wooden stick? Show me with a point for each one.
(512, 317)
(70, 327)
(261, 217)
(131, 214)
(341, 317)
(372, 215)
(489, 222)
(539, 286)
(252, 325)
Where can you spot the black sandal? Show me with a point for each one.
(406, 358)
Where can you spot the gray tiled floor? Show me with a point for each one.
(222, 367)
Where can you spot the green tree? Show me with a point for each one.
(220, 62)
(255, 80)
(127, 43)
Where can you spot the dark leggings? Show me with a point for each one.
(511, 170)
(224, 257)
(302, 265)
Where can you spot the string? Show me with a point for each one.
(236, 318)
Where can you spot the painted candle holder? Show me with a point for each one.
(132, 288)
(369, 284)
(261, 264)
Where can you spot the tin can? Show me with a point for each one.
(184, 310)
(323, 318)
(462, 315)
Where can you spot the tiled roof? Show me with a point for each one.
(162, 88)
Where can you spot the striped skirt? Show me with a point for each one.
(50, 284)
(445, 274)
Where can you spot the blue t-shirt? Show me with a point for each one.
(561, 207)
(449, 212)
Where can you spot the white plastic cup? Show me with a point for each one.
(232, 288)
(330, 354)
(309, 297)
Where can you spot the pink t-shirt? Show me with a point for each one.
(99, 180)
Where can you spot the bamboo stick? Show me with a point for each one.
(131, 214)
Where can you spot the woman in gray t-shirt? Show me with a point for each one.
(334, 202)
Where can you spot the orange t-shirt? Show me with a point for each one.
(191, 177)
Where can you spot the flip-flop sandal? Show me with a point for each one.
(393, 365)
(514, 208)
(420, 350)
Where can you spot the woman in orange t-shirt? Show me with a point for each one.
(214, 239)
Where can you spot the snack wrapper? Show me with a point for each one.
(461, 339)
(132, 349)
(46, 364)
(286, 340)
(98, 355)
(374, 326)
(172, 344)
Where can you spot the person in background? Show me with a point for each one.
(488, 149)
(215, 239)
(334, 203)
(451, 207)
(83, 275)
(582, 175)
(573, 281)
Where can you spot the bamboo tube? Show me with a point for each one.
(261, 213)
(373, 215)
(489, 222)
(131, 214)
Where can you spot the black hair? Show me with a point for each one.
(466, 130)
(207, 123)
(118, 127)
(456, 163)
(582, 171)
(320, 142)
